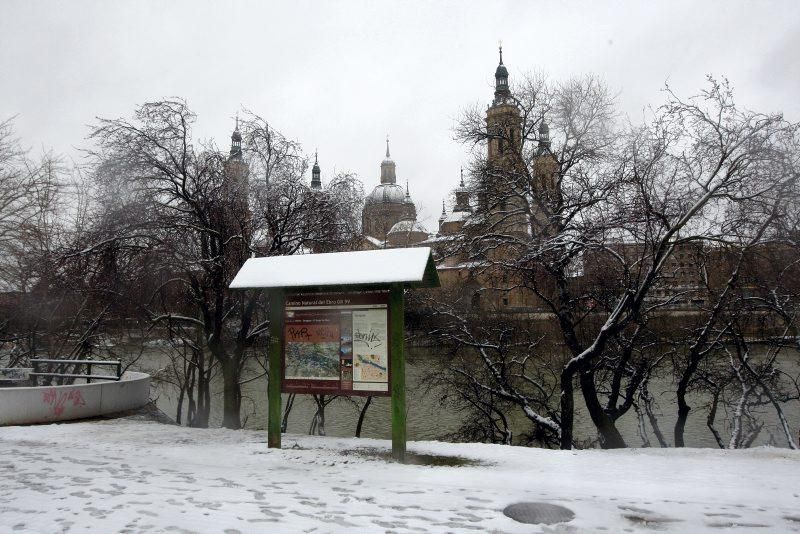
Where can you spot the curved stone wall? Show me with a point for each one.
(48, 404)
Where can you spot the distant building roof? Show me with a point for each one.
(457, 216)
(375, 241)
(407, 225)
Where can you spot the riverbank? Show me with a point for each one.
(136, 476)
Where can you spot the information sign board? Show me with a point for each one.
(336, 343)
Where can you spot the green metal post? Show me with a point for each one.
(398, 372)
(276, 302)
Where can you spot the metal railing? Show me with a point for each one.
(38, 363)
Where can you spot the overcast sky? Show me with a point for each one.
(339, 76)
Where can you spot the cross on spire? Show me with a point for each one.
(387, 145)
(501, 52)
(462, 176)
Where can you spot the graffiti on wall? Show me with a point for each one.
(59, 400)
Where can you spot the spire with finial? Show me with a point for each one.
(442, 217)
(388, 175)
(408, 200)
(501, 91)
(236, 141)
(462, 196)
(316, 182)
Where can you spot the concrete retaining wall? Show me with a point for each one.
(47, 404)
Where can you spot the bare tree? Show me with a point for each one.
(205, 213)
(45, 313)
(587, 219)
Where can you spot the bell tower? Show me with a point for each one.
(236, 142)
(502, 193)
(503, 121)
(546, 187)
(236, 217)
(316, 181)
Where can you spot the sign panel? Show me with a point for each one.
(336, 343)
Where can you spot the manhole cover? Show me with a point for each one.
(538, 512)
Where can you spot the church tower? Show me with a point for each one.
(236, 218)
(237, 174)
(502, 191)
(503, 121)
(462, 196)
(316, 182)
(453, 223)
(236, 142)
(546, 187)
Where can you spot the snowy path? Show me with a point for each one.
(134, 476)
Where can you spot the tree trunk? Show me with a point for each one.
(232, 396)
(190, 372)
(286, 411)
(361, 416)
(683, 415)
(683, 406)
(610, 438)
(318, 421)
(179, 410)
(567, 408)
(203, 407)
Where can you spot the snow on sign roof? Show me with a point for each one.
(412, 267)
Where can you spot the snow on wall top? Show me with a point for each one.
(409, 266)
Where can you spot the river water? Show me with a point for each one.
(429, 420)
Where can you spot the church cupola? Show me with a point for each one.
(462, 196)
(544, 138)
(236, 141)
(316, 182)
(388, 168)
(501, 90)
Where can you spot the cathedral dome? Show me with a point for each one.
(386, 194)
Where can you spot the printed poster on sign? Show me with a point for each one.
(370, 350)
(320, 353)
(312, 351)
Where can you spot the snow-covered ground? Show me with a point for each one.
(136, 476)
